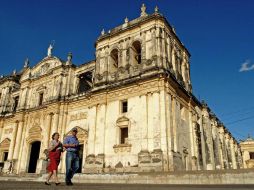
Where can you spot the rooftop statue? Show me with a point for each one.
(50, 48)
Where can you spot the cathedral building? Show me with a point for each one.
(247, 148)
(133, 107)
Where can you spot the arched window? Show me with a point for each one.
(136, 46)
(114, 60)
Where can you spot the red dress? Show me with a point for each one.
(54, 159)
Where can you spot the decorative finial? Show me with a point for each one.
(109, 31)
(14, 72)
(50, 48)
(174, 30)
(156, 9)
(26, 64)
(143, 10)
(69, 58)
(126, 20)
(103, 32)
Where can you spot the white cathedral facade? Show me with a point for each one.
(133, 106)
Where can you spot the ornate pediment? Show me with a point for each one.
(41, 88)
(122, 121)
(82, 135)
(45, 66)
(5, 144)
(34, 134)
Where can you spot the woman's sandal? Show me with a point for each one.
(58, 183)
(47, 183)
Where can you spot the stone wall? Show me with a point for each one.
(199, 177)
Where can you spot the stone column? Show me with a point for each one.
(143, 47)
(222, 147)
(183, 70)
(233, 153)
(174, 126)
(18, 140)
(159, 47)
(203, 143)
(62, 133)
(13, 140)
(59, 85)
(156, 121)
(238, 160)
(76, 84)
(154, 46)
(24, 98)
(163, 127)
(100, 130)
(216, 146)
(68, 81)
(226, 158)
(193, 138)
(22, 151)
(173, 57)
(165, 51)
(150, 123)
(208, 138)
(144, 114)
(55, 123)
(92, 122)
(192, 124)
(84, 156)
(64, 123)
(169, 136)
(48, 130)
(5, 99)
(1, 128)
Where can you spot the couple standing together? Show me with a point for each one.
(71, 145)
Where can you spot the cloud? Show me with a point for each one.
(245, 66)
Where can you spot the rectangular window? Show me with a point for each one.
(40, 99)
(124, 105)
(5, 156)
(16, 101)
(124, 135)
(251, 155)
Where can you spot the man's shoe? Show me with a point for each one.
(69, 183)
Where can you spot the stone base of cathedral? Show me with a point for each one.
(241, 176)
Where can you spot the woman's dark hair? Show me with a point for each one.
(54, 135)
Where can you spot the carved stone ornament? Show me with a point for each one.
(99, 76)
(82, 135)
(5, 144)
(34, 134)
(149, 62)
(122, 148)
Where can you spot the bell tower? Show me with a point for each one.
(147, 44)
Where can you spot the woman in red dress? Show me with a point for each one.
(55, 150)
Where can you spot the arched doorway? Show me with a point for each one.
(34, 155)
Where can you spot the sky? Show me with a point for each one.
(219, 34)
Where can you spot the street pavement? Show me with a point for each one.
(18, 185)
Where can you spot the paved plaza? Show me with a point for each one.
(11, 185)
